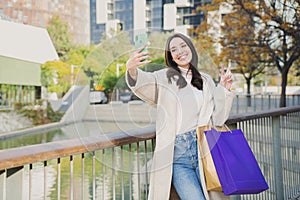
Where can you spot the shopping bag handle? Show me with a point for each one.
(219, 128)
(227, 128)
(224, 125)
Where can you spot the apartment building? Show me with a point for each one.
(39, 12)
(138, 16)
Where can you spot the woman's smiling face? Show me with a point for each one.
(181, 52)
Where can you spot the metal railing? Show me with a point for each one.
(257, 102)
(116, 166)
(274, 137)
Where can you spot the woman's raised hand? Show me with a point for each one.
(137, 59)
(226, 79)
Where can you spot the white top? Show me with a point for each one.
(190, 101)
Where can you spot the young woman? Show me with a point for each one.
(185, 99)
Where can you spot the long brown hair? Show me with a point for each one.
(173, 69)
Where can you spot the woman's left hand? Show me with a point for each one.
(226, 79)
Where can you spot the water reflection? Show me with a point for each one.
(78, 130)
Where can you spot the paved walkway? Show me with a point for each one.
(117, 116)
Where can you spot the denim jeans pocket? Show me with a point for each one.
(180, 149)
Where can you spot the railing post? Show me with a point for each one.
(269, 98)
(2, 185)
(277, 157)
(262, 102)
(254, 102)
(14, 183)
(71, 197)
(237, 104)
(45, 180)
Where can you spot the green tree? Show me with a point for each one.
(77, 54)
(60, 36)
(56, 76)
(100, 64)
(156, 64)
(76, 57)
(72, 57)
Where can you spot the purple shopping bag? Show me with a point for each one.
(235, 163)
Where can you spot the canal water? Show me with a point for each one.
(71, 131)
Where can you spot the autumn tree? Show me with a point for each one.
(244, 52)
(278, 30)
(276, 33)
(208, 58)
(233, 36)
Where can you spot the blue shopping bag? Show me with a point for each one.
(235, 163)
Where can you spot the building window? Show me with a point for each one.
(179, 21)
(148, 24)
(110, 6)
(110, 16)
(148, 14)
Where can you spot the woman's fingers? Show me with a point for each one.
(142, 54)
(228, 71)
(226, 77)
(137, 59)
(144, 62)
(143, 58)
(141, 48)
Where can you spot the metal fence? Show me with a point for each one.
(116, 166)
(274, 138)
(258, 102)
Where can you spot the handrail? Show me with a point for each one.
(20, 156)
(256, 115)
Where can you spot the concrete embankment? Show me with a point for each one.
(10, 121)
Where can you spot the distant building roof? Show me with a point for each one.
(26, 43)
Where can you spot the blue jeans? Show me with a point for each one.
(186, 177)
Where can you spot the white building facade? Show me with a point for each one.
(140, 16)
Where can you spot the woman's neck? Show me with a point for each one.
(185, 67)
(186, 72)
